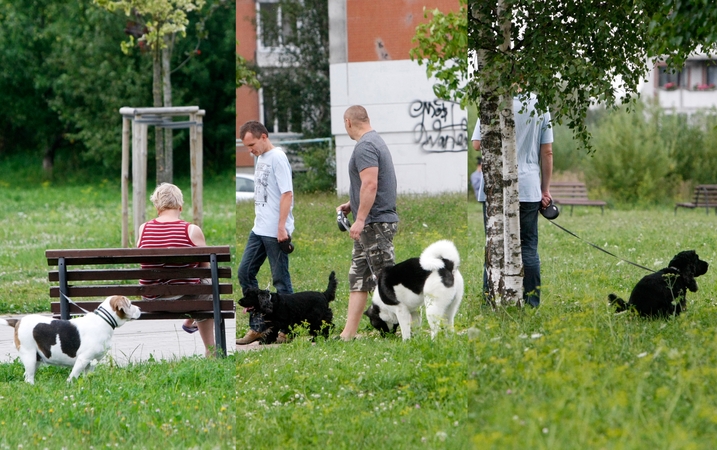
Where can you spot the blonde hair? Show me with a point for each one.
(167, 196)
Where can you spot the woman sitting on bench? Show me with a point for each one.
(168, 230)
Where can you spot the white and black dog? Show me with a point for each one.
(432, 280)
(73, 343)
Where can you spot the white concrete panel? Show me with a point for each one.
(339, 85)
(428, 138)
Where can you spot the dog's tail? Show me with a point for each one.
(9, 322)
(434, 255)
(615, 300)
(330, 292)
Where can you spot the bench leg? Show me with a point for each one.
(219, 334)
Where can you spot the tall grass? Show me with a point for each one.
(572, 374)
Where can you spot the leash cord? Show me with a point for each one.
(69, 300)
(599, 248)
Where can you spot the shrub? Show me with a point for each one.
(320, 174)
(634, 157)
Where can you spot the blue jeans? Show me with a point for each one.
(257, 249)
(529, 250)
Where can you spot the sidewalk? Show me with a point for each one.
(135, 341)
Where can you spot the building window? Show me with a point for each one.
(711, 73)
(672, 79)
(275, 28)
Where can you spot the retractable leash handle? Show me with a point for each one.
(551, 211)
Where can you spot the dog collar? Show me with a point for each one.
(106, 316)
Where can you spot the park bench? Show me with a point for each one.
(103, 272)
(568, 193)
(705, 196)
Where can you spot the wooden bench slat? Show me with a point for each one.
(572, 194)
(136, 274)
(136, 290)
(704, 196)
(136, 256)
(153, 306)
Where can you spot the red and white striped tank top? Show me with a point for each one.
(164, 235)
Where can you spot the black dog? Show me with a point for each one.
(663, 293)
(283, 311)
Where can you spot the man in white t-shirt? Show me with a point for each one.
(534, 144)
(273, 222)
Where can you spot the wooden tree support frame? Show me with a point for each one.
(135, 122)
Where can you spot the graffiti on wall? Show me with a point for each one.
(442, 126)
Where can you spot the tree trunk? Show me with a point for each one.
(513, 268)
(167, 93)
(503, 259)
(157, 102)
(491, 149)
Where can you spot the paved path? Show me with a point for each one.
(135, 341)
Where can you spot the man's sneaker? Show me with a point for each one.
(250, 337)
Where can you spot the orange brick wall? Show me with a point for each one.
(382, 30)
(247, 99)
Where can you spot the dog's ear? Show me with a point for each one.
(265, 303)
(121, 305)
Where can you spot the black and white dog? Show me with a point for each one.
(663, 292)
(73, 343)
(432, 280)
(283, 311)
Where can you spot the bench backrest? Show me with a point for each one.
(78, 277)
(569, 190)
(705, 194)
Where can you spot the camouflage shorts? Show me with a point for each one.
(377, 241)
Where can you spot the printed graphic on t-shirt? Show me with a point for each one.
(261, 192)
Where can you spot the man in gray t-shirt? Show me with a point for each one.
(372, 202)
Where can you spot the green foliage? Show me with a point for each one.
(647, 156)
(64, 80)
(296, 90)
(441, 44)
(244, 75)
(320, 173)
(681, 27)
(635, 162)
(159, 18)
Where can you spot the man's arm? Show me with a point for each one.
(367, 195)
(546, 171)
(284, 207)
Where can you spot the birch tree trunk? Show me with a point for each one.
(513, 266)
(503, 259)
(491, 149)
(168, 175)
